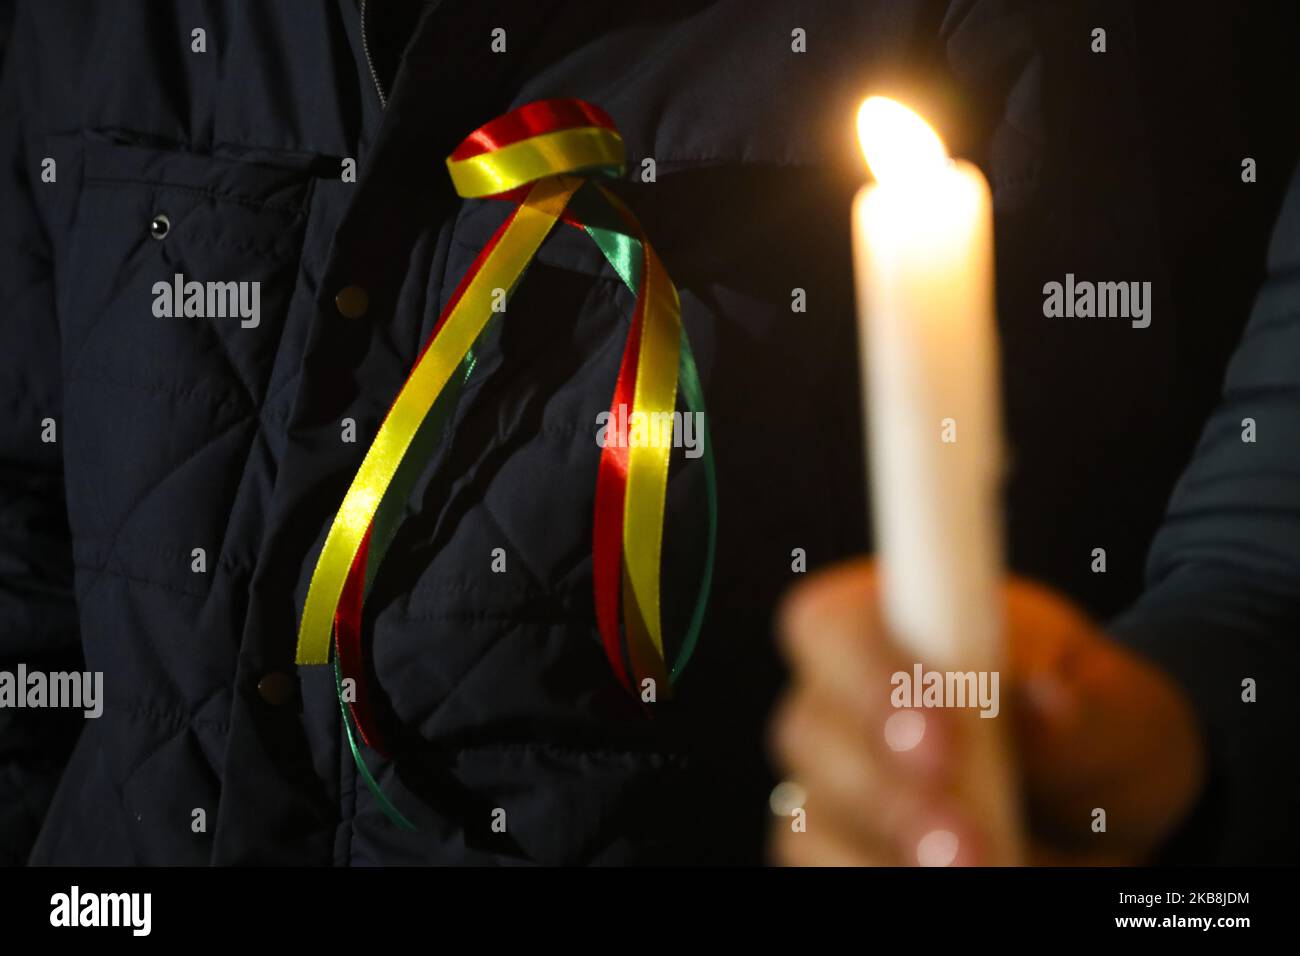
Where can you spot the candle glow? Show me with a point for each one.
(899, 146)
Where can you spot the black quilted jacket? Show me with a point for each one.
(174, 434)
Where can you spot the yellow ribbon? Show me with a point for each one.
(519, 242)
(647, 473)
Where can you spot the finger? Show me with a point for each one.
(945, 836)
(942, 838)
(811, 731)
(919, 742)
(861, 781)
(830, 632)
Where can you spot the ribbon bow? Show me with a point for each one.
(545, 157)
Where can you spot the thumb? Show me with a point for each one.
(1109, 757)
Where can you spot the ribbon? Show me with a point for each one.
(545, 157)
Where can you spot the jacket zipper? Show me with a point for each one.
(365, 48)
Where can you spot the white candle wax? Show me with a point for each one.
(923, 255)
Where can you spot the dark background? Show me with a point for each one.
(1217, 84)
(1162, 200)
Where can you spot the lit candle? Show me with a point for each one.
(923, 255)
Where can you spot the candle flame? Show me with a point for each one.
(898, 144)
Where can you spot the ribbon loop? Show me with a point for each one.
(549, 138)
(540, 156)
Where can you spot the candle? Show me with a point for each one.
(923, 260)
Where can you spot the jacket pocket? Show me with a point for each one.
(171, 306)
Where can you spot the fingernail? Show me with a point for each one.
(904, 730)
(937, 848)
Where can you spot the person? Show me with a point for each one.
(1175, 719)
(167, 482)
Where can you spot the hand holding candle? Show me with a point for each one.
(1095, 725)
(923, 253)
